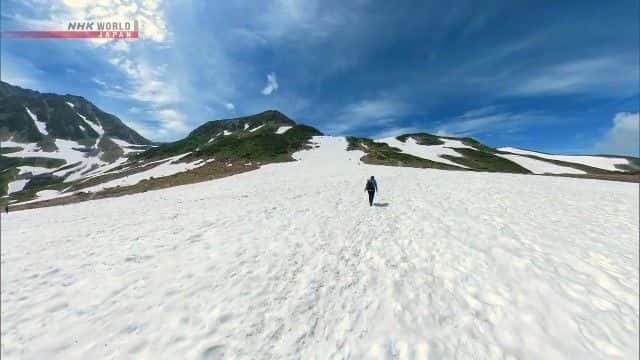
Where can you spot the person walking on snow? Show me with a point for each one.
(371, 187)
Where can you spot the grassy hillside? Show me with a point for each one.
(383, 154)
(481, 159)
(232, 139)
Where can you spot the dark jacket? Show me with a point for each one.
(371, 185)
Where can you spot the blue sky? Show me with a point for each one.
(558, 76)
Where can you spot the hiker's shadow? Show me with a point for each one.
(381, 204)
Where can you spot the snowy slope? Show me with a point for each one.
(539, 166)
(17, 185)
(67, 150)
(42, 126)
(289, 262)
(283, 129)
(170, 167)
(33, 170)
(429, 152)
(125, 146)
(256, 128)
(606, 163)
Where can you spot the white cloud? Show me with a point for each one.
(171, 120)
(623, 138)
(370, 112)
(147, 83)
(598, 75)
(121, 46)
(377, 108)
(272, 84)
(488, 119)
(99, 81)
(141, 128)
(230, 106)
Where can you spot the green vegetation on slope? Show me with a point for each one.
(263, 144)
(383, 154)
(485, 161)
(422, 138)
(481, 159)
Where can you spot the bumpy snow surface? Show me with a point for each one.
(290, 262)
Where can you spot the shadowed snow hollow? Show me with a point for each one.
(289, 261)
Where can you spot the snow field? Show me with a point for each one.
(607, 163)
(17, 185)
(429, 152)
(289, 261)
(169, 167)
(540, 167)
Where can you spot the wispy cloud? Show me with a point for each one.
(369, 112)
(489, 119)
(171, 120)
(272, 84)
(596, 76)
(623, 138)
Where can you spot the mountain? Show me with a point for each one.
(29, 116)
(51, 139)
(62, 148)
(267, 136)
(452, 153)
(215, 149)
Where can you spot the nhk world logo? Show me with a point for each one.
(84, 30)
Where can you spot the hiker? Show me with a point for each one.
(371, 188)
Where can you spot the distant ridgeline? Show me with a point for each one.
(62, 148)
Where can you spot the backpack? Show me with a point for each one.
(370, 185)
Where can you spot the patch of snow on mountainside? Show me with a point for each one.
(70, 104)
(227, 132)
(66, 150)
(27, 148)
(46, 194)
(447, 265)
(169, 167)
(601, 162)
(17, 185)
(125, 146)
(34, 170)
(246, 126)
(96, 127)
(256, 128)
(539, 166)
(42, 126)
(283, 129)
(429, 152)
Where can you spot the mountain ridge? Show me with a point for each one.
(100, 166)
